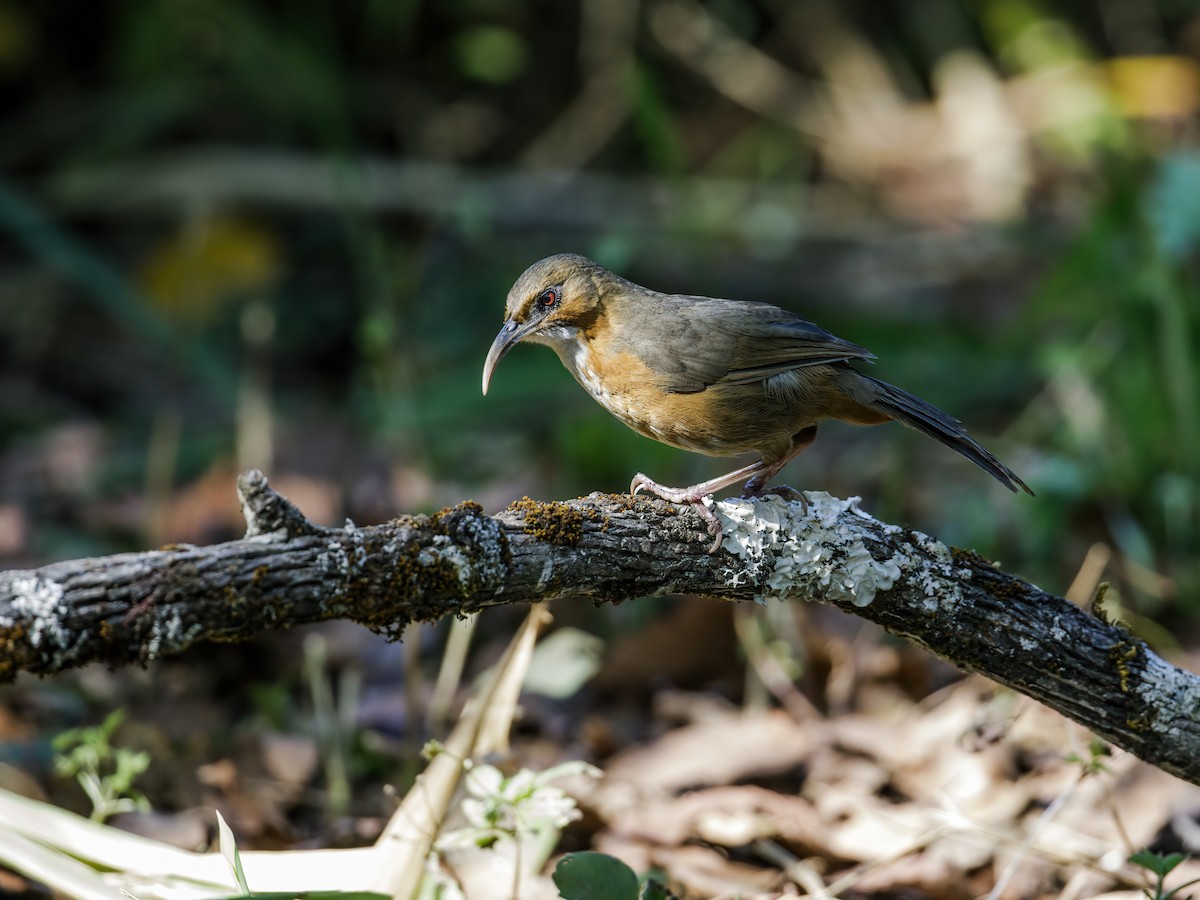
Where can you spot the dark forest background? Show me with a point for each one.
(280, 235)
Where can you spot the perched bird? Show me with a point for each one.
(719, 377)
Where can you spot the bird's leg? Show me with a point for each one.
(757, 485)
(759, 474)
(695, 494)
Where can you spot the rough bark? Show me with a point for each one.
(137, 607)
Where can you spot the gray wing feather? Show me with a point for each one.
(702, 342)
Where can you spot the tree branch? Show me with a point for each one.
(137, 607)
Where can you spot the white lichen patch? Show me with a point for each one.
(445, 552)
(820, 552)
(40, 599)
(168, 635)
(932, 546)
(357, 545)
(335, 558)
(485, 534)
(476, 557)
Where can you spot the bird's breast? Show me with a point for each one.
(713, 422)
(613, 389)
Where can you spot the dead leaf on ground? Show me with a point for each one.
(720, 750)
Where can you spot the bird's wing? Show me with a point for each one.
(711, 342)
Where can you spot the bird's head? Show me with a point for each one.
(552, 301)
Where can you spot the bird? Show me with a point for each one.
(711, 376)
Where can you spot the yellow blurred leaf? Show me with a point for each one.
(195, 274)
(1155, 87)
(18, 38)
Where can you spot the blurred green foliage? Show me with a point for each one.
(104, 771)
(1117, 318)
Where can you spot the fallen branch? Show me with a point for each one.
(137, 607)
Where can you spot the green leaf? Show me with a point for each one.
(1157, 863)
(490, 53)
(594, 876)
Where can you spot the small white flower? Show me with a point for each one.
(496, 806)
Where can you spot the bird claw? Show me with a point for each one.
(782, 491)
(681, 495)
(671, 495)
(790, 493)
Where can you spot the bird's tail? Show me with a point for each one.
(928, 419)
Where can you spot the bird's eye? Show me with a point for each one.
(548, 298)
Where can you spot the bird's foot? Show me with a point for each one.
(689, 495)
(784, 492)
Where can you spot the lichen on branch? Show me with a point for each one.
(138, 607)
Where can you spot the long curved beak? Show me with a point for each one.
(509, 335)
